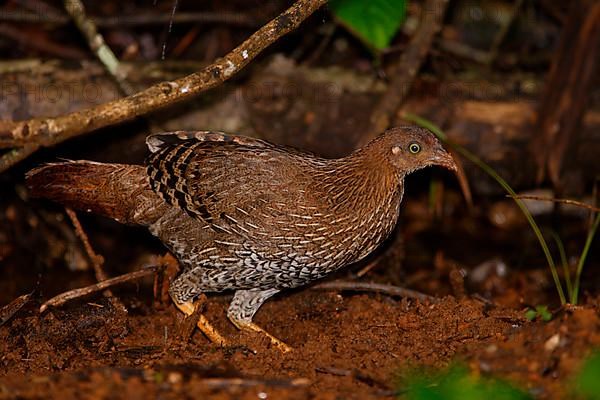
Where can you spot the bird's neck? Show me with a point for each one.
(362, 184)
(364, 193)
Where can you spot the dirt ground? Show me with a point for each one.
(346, 345)
(317, 91)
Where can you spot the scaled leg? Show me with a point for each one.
(183, 290)
(244, 305)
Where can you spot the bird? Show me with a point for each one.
(245, 215)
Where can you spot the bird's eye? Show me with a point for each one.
(414, 148)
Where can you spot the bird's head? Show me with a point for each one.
(409, 148)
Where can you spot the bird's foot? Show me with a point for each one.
(251, 326)
(211, 333)
(188, 308)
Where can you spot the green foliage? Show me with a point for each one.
(583, 257)
(564, 262)
(539, 312)
(456, 383)
(375, 22)
(587, 382)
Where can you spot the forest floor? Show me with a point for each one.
(346, 345)
(316, 91)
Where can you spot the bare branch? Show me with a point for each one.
(376, 288)
(96, 259)
(97, 44)
(98, 287)
(562, 201)
(13, 156)
(234, 19)
(9, 310)
(50, 131)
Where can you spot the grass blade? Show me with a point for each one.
(490, 171)
(565, 263)
(584, 253)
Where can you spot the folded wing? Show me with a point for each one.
(232, 184)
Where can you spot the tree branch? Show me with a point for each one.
(205, 17)
(394, 291)
(46, 132)
(98, 287)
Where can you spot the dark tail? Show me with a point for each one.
(117, 191)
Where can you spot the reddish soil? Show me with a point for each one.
(346, 346)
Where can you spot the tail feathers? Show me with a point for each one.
(112, 190)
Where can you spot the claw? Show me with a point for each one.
(251, 326)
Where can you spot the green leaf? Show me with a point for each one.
(531, 314)
(375, 22)
(456, 383)
(541, 312)
(587, 384)
(544, 313)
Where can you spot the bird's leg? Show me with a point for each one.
(182, 290)
(206, 327)
(244, 305)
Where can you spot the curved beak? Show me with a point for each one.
(444, 159)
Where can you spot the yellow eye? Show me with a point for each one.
(414, 148)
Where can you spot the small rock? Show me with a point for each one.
(174, 378)
(552, 343)
(491, 349)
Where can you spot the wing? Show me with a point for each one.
(231, 183)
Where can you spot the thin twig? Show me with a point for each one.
(96, 259)
(367, 268)
(355, 374)
(234, 19)
(40, 43)
(481, 56)
(562, 201)
(463, 182)
(389, 290)
(169, 269)
(76, 10)
(248, 382)
(51, 131)
(463, 50)
(9, 310)
(15, 155)
(98, 287)
(103, 52)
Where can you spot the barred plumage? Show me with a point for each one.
(247, 215)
